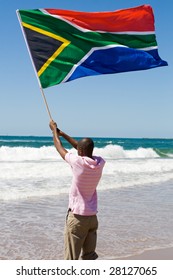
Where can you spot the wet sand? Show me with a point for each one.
(128, 224)
(159, 254)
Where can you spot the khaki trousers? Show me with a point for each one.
(80, 235)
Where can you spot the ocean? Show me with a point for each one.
(135, 197)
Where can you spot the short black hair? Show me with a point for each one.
(86, 144)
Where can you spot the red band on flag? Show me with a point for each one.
(116, 21)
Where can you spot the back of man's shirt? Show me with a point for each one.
(86, 176)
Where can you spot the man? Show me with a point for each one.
(81, 224)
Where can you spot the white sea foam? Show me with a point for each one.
(49, 153)
(27, 154)
(117, 152)
(40, 172)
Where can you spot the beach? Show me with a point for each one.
(33, 229)
(135, 200)
(160, 254)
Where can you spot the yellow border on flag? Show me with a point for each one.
(49, 34)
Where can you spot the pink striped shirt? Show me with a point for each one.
(86, 175)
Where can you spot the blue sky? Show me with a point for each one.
(134, 104)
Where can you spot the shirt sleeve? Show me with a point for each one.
(70, 158)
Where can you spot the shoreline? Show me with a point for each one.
(155, 254)
(34, 228)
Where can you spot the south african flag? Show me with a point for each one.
(66, 45)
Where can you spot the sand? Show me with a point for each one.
(128, 225)
(159, 254)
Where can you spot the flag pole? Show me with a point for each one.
(45, 101)
(40, 86)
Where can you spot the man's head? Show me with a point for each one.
(85, 147)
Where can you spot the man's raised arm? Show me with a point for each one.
(57, 142)
(71, 140)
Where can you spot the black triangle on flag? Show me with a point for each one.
(42, 47)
